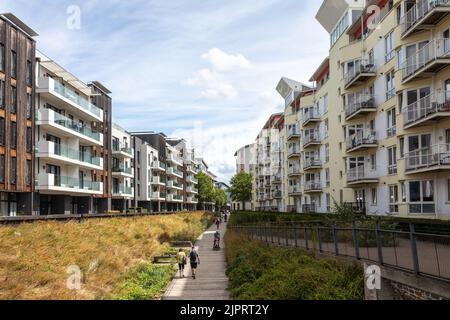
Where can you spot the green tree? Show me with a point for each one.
(241, 187)
(205, 188)
(220, 197)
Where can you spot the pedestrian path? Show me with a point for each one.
(211, 283)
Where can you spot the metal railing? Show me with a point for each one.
(424, 254)
(294, 170)
(359, 101)
(311, 138)
(433, 50)
(360, 66)
(293, 150)
(361, 138)
(313, 185)
(433, 156)
(122, 169)
(294, 189)
(312, 163)
(426, 107)
(291, 132)
(418, 11)
(311, 114)
(361, 173)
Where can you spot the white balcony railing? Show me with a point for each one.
(309, 163)
(434, 156)
(295, 189)
(294, 170)
(313, 185)
(312, 137)
(434, 50)
(361, 173)
(361, 139)
(359, 101)
(420, 10)
(362, 66)
(427, 107)
(311, 114)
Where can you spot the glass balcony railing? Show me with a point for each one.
(73, 183)
(122, 148)
(63, 151)
(76, 98)
(122, 169)
(122, 190)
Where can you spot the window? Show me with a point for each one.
(327, 153)
(390, 84)
(29, 140)
(2, 57)
(327, 177)
(29, 107)
(448, 190)
(28, 173)
(13, 64)
(2, 94)
(402, 148)
(374, 196)
(389, 46)
(2, 168)
(393, 199)
(391, 123)
(13, 135)
(29, 73)
(327, 128)
(2, 132)
(328, 197)
(13, 104)
(373, 161)
(421, 197)
(392, 160)
(12, 170)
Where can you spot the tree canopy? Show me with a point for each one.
(241, 187)
(205, 188)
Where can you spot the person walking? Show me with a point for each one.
(182, 261)
(195, 261)
(218, 223)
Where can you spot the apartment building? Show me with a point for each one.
(70, 148)
(17, 90)
(122, 172)
(269, 193)
(204, 168)
(374, 133)
(246, 161)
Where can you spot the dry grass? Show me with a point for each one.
(34, 257)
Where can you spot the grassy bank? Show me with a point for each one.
(259, 272)
(112, 255)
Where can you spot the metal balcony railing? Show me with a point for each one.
(361, 173)
(418, 11)
(309, 163)
(436, 49)
(294, 170)
(362, 66)
(311, 114)
(431, 157)
(427, 107)
(361, 139)
(359, 101)
(311, 138)
(313, 185)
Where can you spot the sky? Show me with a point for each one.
(205, 71)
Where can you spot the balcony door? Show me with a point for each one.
(417, 102)
(446, 36)
(360, 198)
(56, 171)
(419, 147)
(447, 90)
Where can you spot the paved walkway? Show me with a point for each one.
(211, 282)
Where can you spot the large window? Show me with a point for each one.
(29, 73)
(392, 160)
(390, 84)
(389, 46)
(13, 102)
(2, 132)
(13, 64)
(28, 173)
(391, 122)
(29, 107)
(421, 197)
(339, 29)
(2, 94)
(2, 168)
(13, 135)
(29, 140)
(13, 170)
(393, 199)
(2, 57)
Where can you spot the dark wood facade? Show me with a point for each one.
(17, 74)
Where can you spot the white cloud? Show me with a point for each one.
(214, 83)
(223, 62)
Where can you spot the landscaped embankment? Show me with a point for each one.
(113, 255)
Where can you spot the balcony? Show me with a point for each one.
(175, 159)
(361, 175)
(360, 73)
(277, 194)
(191, 200)
(191, 179)
(174, 172)
(122, 171)
(312, 187)
(294, 171)
(55, 92)
(309, 208)
(311, 139)
(57, 184)
(423, 15)
(356, 207)
(362, 141)
(62, 126)
(122, 191)
(175, 185)
(276, 179)
(359, 105)
(174, 198)
(122, 151)
(427, 110)
(434, 158)
(432, 58)
(158, 165)
(160, 181)
(295, 190)
(158, 196)
(61, 154)
(312, 164)
(192, 190)
(192, 169)
(293, 133)
(294, 152)
(311, 116)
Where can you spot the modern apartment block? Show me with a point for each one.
(17, 89)
(70, 149)
(374, 132)
(246, 162)
(122, 169)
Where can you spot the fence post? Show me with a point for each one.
(412, 236)
(306, 237)
(265, 233)
(279, 238)
(295, 237)
(379, 243)
(355, 240)
(318, 238)
(287, 236)
(336, 247)
(271, 233)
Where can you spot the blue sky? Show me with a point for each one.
(202, 70)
